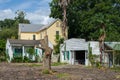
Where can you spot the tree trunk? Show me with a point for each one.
(47, 53)
(47, 62)
(101, 43)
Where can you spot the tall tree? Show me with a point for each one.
(63, 4)
(86, 16)
(9, 28)
(21, 17)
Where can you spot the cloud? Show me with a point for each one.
(37, 18)
(37, 11)
(34, 17)
(7, 13)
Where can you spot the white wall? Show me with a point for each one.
(10, 52)
(95, 47)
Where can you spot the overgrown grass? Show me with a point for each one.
(117, 68)
(34, 65)
(31, 64)
(62, 75)
(57, 64)
(46, 71)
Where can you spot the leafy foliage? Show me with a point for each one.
(91, 58)
(86, 16)
(31, 52)
(58, 41)
(117, 57)
(17, 59)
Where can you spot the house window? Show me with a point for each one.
(57, 32)
(34, 37)
(57, 35)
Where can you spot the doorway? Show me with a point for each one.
(80, 57)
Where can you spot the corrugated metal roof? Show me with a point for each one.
(113, 45)
(117, 47)
(30, 27)
(75, 44)
(34, 27)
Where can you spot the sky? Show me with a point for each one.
(37, 11)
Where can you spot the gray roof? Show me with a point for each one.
(16, 42)
(34, 27)
(30, 27)
(75, 44)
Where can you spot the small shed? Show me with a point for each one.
(113, 51)
(74, 51)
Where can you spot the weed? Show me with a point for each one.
(62, 75)
(46, 71)
(57, 64)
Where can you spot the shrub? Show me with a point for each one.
(98, 65)
(17, 59)
(2, 58)
(37, 58)
(26, 59)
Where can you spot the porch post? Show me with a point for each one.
(113, 58)
(23, 52)
(86, 58)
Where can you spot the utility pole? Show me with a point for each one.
(63, 4)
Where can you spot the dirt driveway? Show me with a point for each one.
(21, 71)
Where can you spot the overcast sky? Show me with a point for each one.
(37, 11)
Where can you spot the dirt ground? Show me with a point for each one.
(22, 71)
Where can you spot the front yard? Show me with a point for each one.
(33, 71)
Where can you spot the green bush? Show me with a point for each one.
(17, 59)
(26, 59)
(2, 59)
(98, 65)
(37, 58)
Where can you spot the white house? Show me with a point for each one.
(74, 51)
(16, 47)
